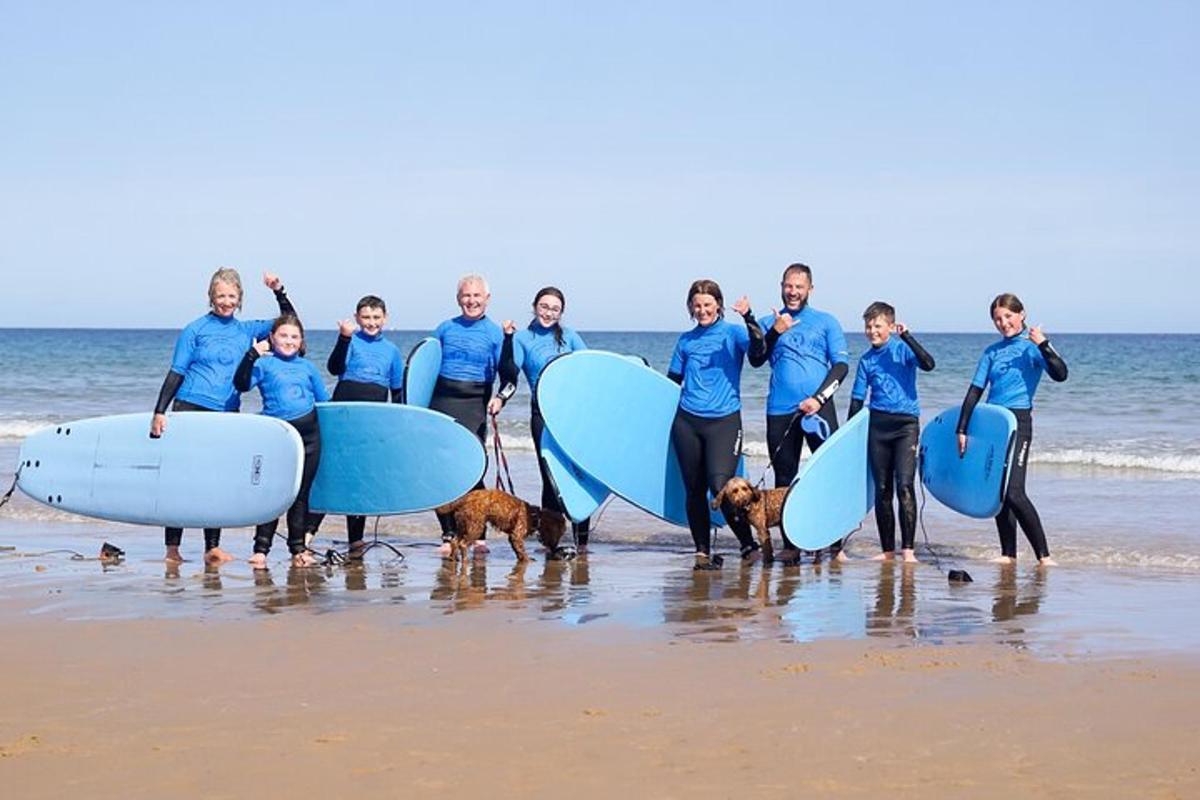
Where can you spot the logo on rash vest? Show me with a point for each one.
(256, 471)
(989, 461)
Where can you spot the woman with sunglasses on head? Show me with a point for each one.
(530, 350)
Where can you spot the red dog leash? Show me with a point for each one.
(501, 459)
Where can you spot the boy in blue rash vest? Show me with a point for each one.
(531, 350)
(201, 374)
(368, 367)
(291, 387)
(707, 429)
(809, 360)
(471, 354)
(889, 370)
(1013, 368)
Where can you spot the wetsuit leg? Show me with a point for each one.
(906, 478)
(356, 527)
(174, 536)
(466, 402)
(722, 449)
(297, 515)
(785, 439)
(881, 452)
(689, 449)
(264, 534)
(1018, 508)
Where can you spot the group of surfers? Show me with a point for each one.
(218, 357)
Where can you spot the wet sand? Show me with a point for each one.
(619, 672)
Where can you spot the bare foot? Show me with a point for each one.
(910, 557)
(258, 561)
(446, 549)
(173, 555)
(303, 559)
(581, 550)
(216, 556)
(884, 556)
(841, 557)
(480, 549)
(1047, 562)
(1004, 560)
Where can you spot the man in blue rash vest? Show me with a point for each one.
(471, 354)
(809, 360)
(369, 367)
(291, 387)
(1013, 368)
(888, 370)
(206, 356)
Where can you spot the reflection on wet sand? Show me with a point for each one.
(301, 586)
(893, 612)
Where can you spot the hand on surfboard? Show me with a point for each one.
(272, 281)
(158, 424)
(783, 322)
(962, 445)
(346, 327)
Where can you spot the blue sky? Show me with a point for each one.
(928, 154)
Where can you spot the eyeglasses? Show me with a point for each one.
(545, 309)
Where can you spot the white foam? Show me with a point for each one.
(1172, 463)
(20, 428)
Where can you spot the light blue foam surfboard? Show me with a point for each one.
(975, 483)
(385, 458)
(581, 495)
(206, 471)
(833, 491)
(611, 415)
(421, 372)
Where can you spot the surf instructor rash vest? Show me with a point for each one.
(535, 346)
(710, 361)
(801, 358)
(207, 354)
(290, 386)
(470, 349)
(890, 371)
(1013, 367)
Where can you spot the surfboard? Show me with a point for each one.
(833, 491)
(612, 417)
(580, 494)
(421, 371)
(974, 484)
(385, 458)
(206, 471)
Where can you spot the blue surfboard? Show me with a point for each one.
(206, 471)
(612, 415)
(581, 495)
(385, 458)
(833, 491)
(975, 483)
(421, 372)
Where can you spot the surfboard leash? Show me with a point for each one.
(782, 441)
(8, 495)
(954, 575)
(501, 458)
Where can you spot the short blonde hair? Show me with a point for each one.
(225, 275)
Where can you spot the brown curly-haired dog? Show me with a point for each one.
(514, 516)
(761, 507)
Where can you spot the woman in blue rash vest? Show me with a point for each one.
(707, 430)
(291, 387)
(1012, 367)
(888, 370)
(471, 354)
(368, 368)
(531, 350)
(809, 360)
(201, 374)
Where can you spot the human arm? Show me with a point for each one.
(1056, 368)
(756, 352)
(170, 386)
(924, 360)
(337, 359)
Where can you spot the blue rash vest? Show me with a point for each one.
(801, 358)
(207, 354)
(289, 386)
(1013, 367)
(710, 360)
(470, 349)
(373, 359)
(890, 372)
(534, 347)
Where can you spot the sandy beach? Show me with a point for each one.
(622, 671)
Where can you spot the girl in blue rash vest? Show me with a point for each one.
(1013, 367)
(889, 371)
(707, 430)
(471, 353)
(368, 368)
(291, 387)
(531, 350)
(809, 360)
(201, 375)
